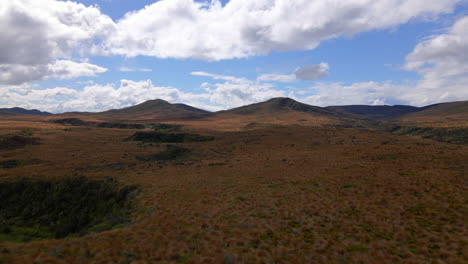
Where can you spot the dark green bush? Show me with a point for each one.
(171, 153)
(71, 122)
(12, 141)
(9, 164)
(121, 125)
(158, 137)
(451, 135)
(36, 209)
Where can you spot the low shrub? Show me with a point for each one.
(38, 209)
(158, 137)
(170, 153)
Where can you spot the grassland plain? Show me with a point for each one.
(279, 194)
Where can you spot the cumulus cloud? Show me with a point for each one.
(277, 77)
(38, 34)
(368, 93)
(15, 74)
(304, 73)
(127, 69)
(442, 61)
(312, 72)
(234, 91)
(220, 77)
(241, 28)
(127, 93)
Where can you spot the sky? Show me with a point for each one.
(95, 55)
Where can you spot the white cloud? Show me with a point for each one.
(38, 34)
(128, 93)
(66, 69)
(442, 60)
(242, 28)
(127, 69)
(277, 77)
(312, 72)
(60, 69)
(305, 73)
(357, 93)
(234, 92)
(220, 77)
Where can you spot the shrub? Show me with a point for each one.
(158, 137)
(36, 209)
(171, 152)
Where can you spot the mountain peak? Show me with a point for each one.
(157, 109)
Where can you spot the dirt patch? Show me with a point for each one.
(31, 209)
(8, 142)
(171, 152)
(158, 137)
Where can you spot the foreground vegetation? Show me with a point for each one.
(40, 209)
(158, 137)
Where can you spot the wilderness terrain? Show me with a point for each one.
(274, 182)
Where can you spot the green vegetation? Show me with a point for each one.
(121, 125)
(457, 136)
(40, 209)
(171, 152)
(165, 127)
(13, 141)
(10, 164)
(158, 137)
(70, 122)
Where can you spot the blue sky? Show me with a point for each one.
(408, 56)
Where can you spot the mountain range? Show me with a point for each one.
(285, 108)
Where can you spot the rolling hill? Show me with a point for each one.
(158, 109)
(444, 114)
(286, 111)
(378, 112)
(22, 111)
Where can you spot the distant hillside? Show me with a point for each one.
(286, 111)
(22, 111)
(155, 109)
(378, 112)
(279, 105)
(449, 113)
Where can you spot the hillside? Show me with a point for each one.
(378, 112)
(278, 105)
(22, 111)
(444, 114)
(285, 111)
(151, 110)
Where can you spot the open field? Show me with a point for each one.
(270, 194)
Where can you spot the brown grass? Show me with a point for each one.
(294, 194)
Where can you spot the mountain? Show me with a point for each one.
(22, 111)
(286, 111)
(277, 106)
(378, 112)
(156, 110)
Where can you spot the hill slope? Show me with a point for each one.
(286, 111)
(279, 105)
(445, 114)
(153, 110)
(378, 112)
(22, 111)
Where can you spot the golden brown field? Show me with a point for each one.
(266, 194)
